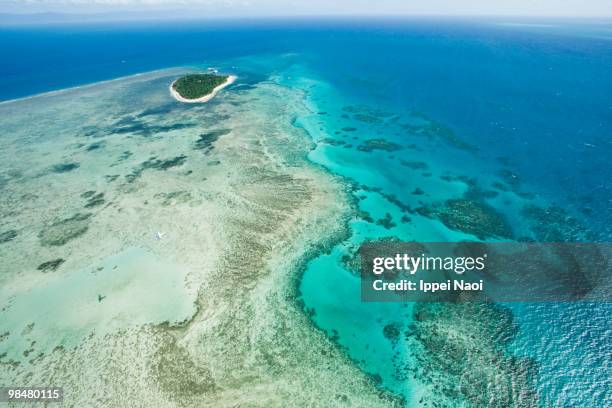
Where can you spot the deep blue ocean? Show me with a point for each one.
(533, 100)
(528, 89)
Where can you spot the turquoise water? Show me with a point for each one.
(512, 120)
(483, 129)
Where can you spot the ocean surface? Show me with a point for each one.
(441, 130)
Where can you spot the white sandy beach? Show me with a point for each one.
(230, 79)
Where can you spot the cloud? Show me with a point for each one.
(96, 6)
(123, 2)
(296, 7)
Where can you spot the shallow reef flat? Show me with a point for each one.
(151, 250)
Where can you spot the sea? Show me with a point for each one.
(443, 130)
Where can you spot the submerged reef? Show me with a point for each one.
(430, 129)
(554, 224)
(460, 356)
(94, 146)
(470, 216)
(50, 266)
(131, 125)
(64, 167)
(175, 197)
(179, 376)
(367, 114)
(156, 164)
(471, 182)
(93, 199)
(62, 231)
(378, 144)
(415, 165)
(206, 140)
(386, 222)
(363, 117)
(364, 215)
(7, 236)
(333, 142)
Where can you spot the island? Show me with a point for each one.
(194, 88)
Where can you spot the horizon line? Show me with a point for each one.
(136, 16)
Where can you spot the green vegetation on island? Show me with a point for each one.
(195, 86)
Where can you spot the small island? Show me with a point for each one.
(196, 88)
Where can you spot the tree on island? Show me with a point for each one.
(197, 85)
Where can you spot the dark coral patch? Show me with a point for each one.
(554, 224)
(125, 155)
(386, 222)
(392, 331)
(7, 236)
(475, 355)
(415, 165)
(95, 200)
(436, 131)
(333, 142)
(94, 146)
(136, 127)
(65, 167)
(50, 266)
(156, 164)
(472, 217)
(206, 140)
(364, 215)
(366, 118)
(62, 231)
(378, 144)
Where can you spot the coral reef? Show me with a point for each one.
(50, 266)
(470, 216)
(62, 231)
(64, 167)
(378, 144)
(7, 236)
(460, 356)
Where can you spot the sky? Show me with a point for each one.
(254, 8)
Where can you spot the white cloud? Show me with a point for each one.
(297, 7)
